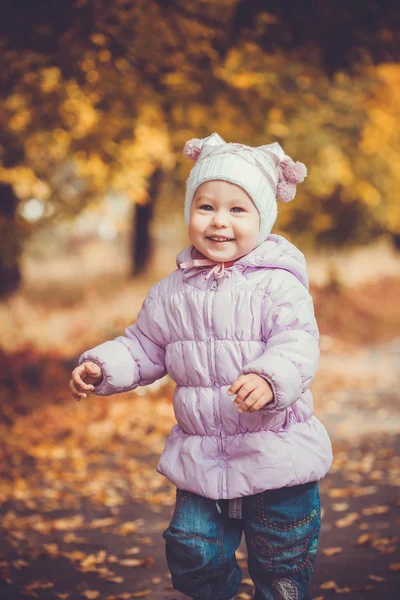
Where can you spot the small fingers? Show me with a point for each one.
(237, 384)
(77, 379)
(76, 393)
(250, 401)
(243, 393)
(259, 404)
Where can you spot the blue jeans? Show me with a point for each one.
(281, 530)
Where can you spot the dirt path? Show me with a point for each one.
(71, 553)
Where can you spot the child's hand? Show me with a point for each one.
(83, 377)
(252, 392)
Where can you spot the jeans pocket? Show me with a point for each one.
(180, 497)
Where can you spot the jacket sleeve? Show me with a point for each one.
(291, 356)
(136, 358)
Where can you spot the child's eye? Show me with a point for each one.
(237, 209)
(206, 207)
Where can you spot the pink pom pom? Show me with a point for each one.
(193, 148)
(294, 172)
(285, 191)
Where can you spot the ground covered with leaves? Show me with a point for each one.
(82, 507)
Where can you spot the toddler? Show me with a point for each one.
(234, 327)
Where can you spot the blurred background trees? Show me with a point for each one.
(98, 98)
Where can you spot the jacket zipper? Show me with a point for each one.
(214, 287)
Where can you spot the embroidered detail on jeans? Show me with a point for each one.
(284, 589)
(263, 547)
(314, 513)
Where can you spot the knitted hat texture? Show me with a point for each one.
(264, 172)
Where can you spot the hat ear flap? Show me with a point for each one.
(290, 173)
(275, 149)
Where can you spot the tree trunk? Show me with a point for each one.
(396, 241)
(10, 246)
(140, 242)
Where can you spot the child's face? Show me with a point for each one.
(223, 210)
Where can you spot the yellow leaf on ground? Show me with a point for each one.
(96, 523)
(130, 562)
(374, 510)
(338, 493)
(347, 520)
(339, 506)
(133, 550)
(90, 594)
(329, 585)
(343, 590)
(332, 551)
(376, 578)
(364, 539)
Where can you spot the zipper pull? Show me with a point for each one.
(214, 284)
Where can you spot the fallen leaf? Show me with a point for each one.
(145, 540)
(338, 493)
(394, 567)
(340, 506)
(19, 563)
(141, 594)
(247, 581)
(51, 549)
(70, 538)
(75, 555)
(90, 594)
(130, 562)
(111, 558)
(133, 550)
(156, 580)
(93, 559)
(364, 539)
(126, 528)
(329, 585)
(68, 522)
(332, 551)
(347, 520)
(375, 510)
(105, 522)
(376, 578)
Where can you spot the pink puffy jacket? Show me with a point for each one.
(258, 318)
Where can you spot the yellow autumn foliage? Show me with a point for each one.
(124, 110)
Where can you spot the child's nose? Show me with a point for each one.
(219, 219)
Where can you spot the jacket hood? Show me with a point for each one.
(276, 252)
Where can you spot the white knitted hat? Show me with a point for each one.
(264, 172)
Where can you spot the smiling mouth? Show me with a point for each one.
(217, 238)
